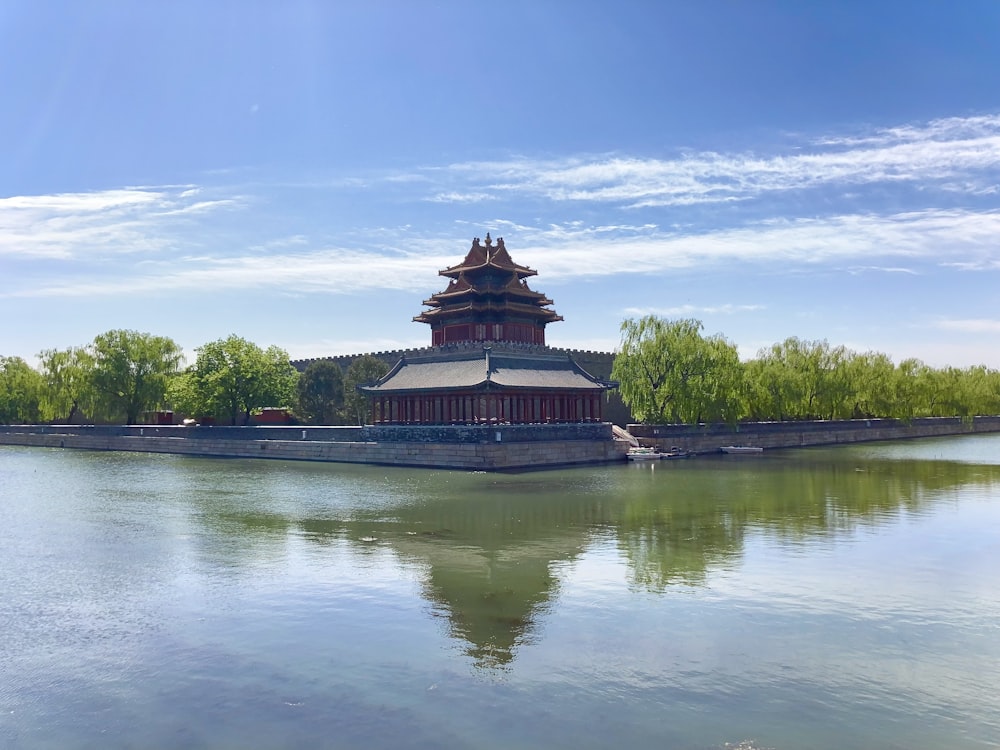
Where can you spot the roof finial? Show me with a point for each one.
(488, 240)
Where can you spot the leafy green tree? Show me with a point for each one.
(991, 388)
(965, 392)
(363, 371)
(183, 396)
(872, 385)
(834, 393)
(68, 375)
(669, 372)
(913, 399)
(21, 392)
(799, 379)
(321, 392)
(131, 371)
(232, 377)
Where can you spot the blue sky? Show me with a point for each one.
(296, 173)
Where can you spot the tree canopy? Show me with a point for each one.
(232, 377)
(21, 392)
(130, 371)
(669, 372)
(67, 374)
(321, 392)
(363, 371)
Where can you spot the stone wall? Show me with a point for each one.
(708, 438)
(271, 443)
(483, 433)
(473, 447)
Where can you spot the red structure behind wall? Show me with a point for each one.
(473, 408)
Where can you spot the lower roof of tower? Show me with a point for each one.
(487, 366)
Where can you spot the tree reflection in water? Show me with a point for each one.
(488, 547)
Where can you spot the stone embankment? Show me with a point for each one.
(472, 447)
(709, 438)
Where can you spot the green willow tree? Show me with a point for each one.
(68, 378)
(873, 386)
(232, 377)
(130, 372)
(669, 372)
(363, 370)
(321, 392)
(22, 392)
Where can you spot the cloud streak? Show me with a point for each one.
(155, 239)
(974, 325)
(688, 311)
(958, 155)
(926, 236)
(101, 223)
(559, 253)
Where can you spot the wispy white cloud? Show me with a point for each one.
(691, 310)
(956, 154)
(196, 237)
(858, 270)
(100, 223)
(559, 252)
(978, 264)
(327, 271)
(975, 325)
(927, 236)
(942, 129)
(456, 197)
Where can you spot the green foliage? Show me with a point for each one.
(68, 376)
(22, 390)
(130, 372)
(873, 385)
(232, 377)
(802, 380)
(183, 396)
(321, 392)
(363, 371)
(669, 372)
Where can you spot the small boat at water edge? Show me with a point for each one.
(643, 454)
(647, 454)
(741, 449)
(675, 452)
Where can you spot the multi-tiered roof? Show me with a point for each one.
(488, 299)
(488, 363)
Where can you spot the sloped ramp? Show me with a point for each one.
(620, 433)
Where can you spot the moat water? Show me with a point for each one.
(826, 598)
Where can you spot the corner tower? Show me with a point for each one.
(488, 299)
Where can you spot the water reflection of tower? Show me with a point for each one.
(490, 562)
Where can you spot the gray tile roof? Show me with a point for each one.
(460, 371)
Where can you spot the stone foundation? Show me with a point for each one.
(708, 438)
(467, 447)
